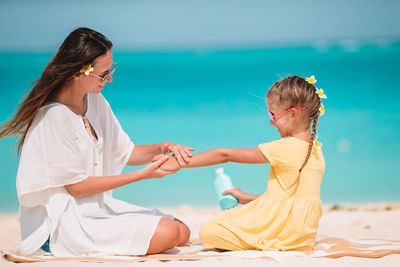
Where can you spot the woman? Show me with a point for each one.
(72, 152)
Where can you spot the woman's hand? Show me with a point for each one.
(241, 196)
(154, 170)
(180, 152)
(170, 165)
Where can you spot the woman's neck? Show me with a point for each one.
(74, 98)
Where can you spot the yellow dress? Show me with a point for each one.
(286, 216)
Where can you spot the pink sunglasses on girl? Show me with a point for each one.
(273, 117)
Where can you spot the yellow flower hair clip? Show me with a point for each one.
(311, 79)
(320, 93)
(322, 109)
(87, 69)
(318, 144)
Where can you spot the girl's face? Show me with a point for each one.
(101, 67)
(283, 123)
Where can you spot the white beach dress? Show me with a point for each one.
(59, 151)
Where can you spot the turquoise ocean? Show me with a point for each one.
(216, 98)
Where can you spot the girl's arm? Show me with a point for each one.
(218, 156)
(98, 184)
(143, 154)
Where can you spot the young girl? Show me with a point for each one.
(286, 216)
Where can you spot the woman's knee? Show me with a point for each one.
(184, 232)
(167, 235)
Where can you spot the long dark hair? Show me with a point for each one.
(81, 47)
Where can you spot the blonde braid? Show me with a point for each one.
(311, 143)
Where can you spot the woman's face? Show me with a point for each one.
(102, 65)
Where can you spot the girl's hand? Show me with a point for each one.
(241, 196)
(154, 170)
(181, 153)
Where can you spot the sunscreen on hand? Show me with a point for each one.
(223, 182)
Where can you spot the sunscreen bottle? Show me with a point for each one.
(223, 182)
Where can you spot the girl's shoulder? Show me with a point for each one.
(297, 141)
(293, 142)
(288, 141)
(273, 147)
(283, 145)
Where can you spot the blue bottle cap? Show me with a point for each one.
(219, 170)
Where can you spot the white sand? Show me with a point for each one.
(371, 221)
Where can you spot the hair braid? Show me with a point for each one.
(310, 144)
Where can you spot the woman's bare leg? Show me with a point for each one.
(184, 232)
(166, 236)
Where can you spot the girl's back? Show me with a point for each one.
(286, 155)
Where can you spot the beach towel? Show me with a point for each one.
(325, 248)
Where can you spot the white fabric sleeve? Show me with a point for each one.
(50, 157)
(118, 145)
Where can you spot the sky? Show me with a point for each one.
(192, 24)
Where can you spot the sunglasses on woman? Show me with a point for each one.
(107, 76)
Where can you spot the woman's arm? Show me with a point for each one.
(98, 184)
(143, 154)
(218, 156)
